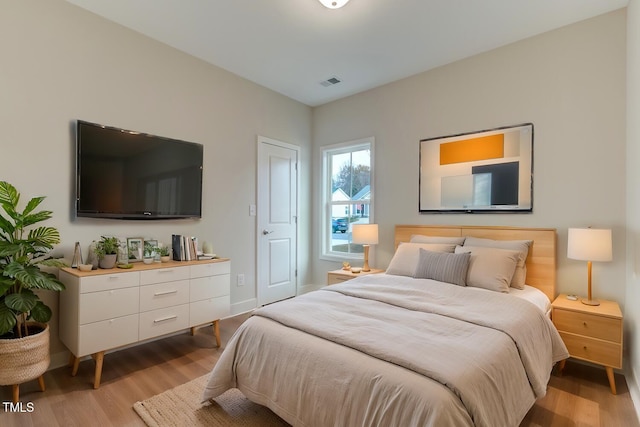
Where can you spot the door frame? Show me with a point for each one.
(260, 214)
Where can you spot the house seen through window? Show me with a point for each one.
(347, 196)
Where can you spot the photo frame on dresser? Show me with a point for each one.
(478, 172)
(135, 246)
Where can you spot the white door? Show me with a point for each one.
(277, 220)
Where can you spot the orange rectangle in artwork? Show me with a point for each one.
(473, 149)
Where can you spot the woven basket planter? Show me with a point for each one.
(24, 359)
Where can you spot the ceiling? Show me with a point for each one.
(292, 46)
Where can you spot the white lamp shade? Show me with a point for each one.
(589, 244)
(333, 4)
(365, 234)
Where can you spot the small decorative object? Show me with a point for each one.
(92, 258)
(356, 270)
(107, 251)
(134, 247)
(85, 267)
(77, 256)
(589, 244)
(207, 248)
(155, 248)
(125, 266)
(346, 266)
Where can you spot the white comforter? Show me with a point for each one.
(391, 350)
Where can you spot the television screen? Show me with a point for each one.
(123, 174)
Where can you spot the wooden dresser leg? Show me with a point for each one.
(561, 366)
(15, 392)
(216, 331)
(612, 379)
(99, 358)
(75, 365)
(41, 382)
(193, 330)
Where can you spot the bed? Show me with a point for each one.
(429, 342)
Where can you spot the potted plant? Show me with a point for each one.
(107, 251)
(149, 253)
(24, 247)
(165, 253)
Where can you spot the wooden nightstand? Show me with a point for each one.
(339, 276)
(591, 333)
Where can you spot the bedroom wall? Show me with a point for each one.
(569, 82)
(61, 63)
(632, 312)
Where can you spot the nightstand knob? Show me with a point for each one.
(585, 324)
(585, 348)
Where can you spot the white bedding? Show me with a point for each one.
(389, 350)
(534, 296)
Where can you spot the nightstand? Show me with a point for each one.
(339, 276)
(591, 333)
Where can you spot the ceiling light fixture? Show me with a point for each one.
(334, 4)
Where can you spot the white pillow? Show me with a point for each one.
(407, 256)
(522, 246)
(419, 238)
(490, 268)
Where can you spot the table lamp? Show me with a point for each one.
(589, 244)
(365, 234)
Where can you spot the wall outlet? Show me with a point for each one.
(240, 279)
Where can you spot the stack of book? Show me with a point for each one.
(184, 248)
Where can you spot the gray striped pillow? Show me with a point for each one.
(444, 267)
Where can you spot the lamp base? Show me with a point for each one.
(590, 301)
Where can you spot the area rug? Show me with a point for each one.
(181, 406)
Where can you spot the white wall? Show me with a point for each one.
(569, 82)
(632, 313)
(61, 63)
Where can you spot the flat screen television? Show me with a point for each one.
(123, 174)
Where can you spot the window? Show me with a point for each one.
(347, 195)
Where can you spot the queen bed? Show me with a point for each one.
(456, 332)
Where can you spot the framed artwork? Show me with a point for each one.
(485, 171)
(153, 244)
(135, 247)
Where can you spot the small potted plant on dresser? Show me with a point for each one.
(165, 253)
(24, 332)
(107, 251)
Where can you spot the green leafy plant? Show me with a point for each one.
(149, 250)
(107, 246)
(165, 250)
(23, 249)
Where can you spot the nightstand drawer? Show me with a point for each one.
(589, 325)
(593, 350)
(334, 279)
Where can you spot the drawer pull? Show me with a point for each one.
(164, 319)
(157, 294)
(585, 348)
(585, 324)
(165, 270)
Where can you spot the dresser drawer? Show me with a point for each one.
(590, 325)
(96, 306)
(208, 310)
(163, 295)
(210, 269)
(594, 350)
(336, 278)
(209, 287)
(163, 321)
(104, 282)
(160, 275)
(112, 333)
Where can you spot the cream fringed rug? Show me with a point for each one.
(181, 406)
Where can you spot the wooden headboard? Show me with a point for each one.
(541, 261)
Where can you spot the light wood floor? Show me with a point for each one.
(580, 397)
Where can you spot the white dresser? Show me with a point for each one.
(105, 309)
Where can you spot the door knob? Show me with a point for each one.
(265, 232)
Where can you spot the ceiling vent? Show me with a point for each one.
(330, 82)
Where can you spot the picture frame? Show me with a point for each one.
(488, 171)
(154, 244)
(135, 246)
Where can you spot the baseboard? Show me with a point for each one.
(303, 289)
(243, 306)
(634, 391)
(58, 360)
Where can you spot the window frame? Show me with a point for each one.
(326, 194)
